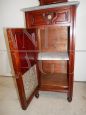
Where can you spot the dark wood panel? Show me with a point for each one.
(53, 66)
(54, 82)
(22, 48)
(45, 2)
(51, 41)
(22, 44)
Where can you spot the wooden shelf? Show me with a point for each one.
(53, 56)
(55, 82)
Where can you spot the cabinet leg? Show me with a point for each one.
(70, 87)
(37, 95)
(69, 98)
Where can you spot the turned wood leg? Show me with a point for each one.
(37, 94)
(69, 98)
(70, 89)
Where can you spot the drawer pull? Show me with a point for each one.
(48, 17)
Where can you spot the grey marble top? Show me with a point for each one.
(51, 6)
(53, 56)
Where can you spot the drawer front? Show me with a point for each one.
(48, 17)
(53, 66)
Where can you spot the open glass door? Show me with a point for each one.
(23, 47)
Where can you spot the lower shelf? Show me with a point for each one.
(54, 82)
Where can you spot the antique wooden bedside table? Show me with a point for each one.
(43, 52)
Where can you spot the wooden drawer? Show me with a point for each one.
(48, 17)
(53, 66)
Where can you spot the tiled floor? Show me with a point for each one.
(48, 103)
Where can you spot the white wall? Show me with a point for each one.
(80, 57)
(11, 16)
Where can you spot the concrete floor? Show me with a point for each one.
(49, 103)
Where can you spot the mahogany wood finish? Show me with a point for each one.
(54, 66)
(45, 2)
(50, 16)
(54, 82)
(51, 41)
(62, 17)
(48, 30)
(20, 45)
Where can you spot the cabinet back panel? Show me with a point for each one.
(51, 41)
(53, 67)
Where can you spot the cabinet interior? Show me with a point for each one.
(53, 56)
